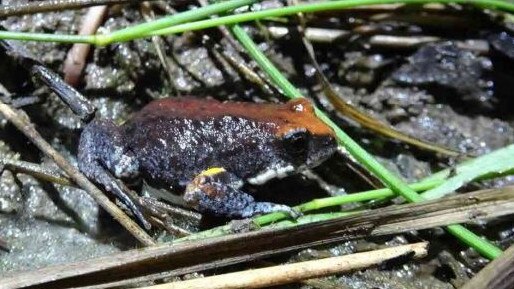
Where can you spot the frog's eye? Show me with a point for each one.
(296, 143)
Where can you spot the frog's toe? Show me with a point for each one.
(294, 213)
(258, 208)
(163, 215)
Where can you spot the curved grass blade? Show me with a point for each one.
(379, 127)
(496, 163)
(364, 119)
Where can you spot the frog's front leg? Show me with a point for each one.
(217, 192)
(110, 183)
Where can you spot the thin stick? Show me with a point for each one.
(77, 55)
(314, 34)
(158, 42)
(24, 125)
(289, 273)
(497, 274)
(4, 246)
(36, 170)
(394, 41)
(244, 69)
(54, 5)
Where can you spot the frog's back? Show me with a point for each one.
(177, 138)
(283, 116)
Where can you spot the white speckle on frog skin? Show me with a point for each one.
(272, 173)
(127, 166)
(298, 107)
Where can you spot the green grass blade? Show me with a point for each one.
(130, 33)
(504, 155)
(499, 162)
(481, 245)
(140, 30)
(317, 204)
(45, 37)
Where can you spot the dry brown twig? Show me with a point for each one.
(314, 34)
(4, 245)
(158, 42)
(77, 55)
(55, 5)
(234, 57)
(393, 41)
(289, 273)
(36, 170)
(25, 126)
(352, 112)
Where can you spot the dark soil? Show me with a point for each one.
(455, 91)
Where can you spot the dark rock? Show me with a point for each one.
(445, 69)
(360, 70)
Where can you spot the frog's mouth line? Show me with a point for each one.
(281, 172)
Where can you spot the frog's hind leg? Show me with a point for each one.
(217, 191)
(103, 177)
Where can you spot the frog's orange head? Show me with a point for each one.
(306, 139)
(298, 114)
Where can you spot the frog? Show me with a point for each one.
(206, 150)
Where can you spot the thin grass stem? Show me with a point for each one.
(141, 30)
(45, 37)
(130, 33)
(342, 200)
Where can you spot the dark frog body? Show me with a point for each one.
(207, 149)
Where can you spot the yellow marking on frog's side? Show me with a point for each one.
(212, 171)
